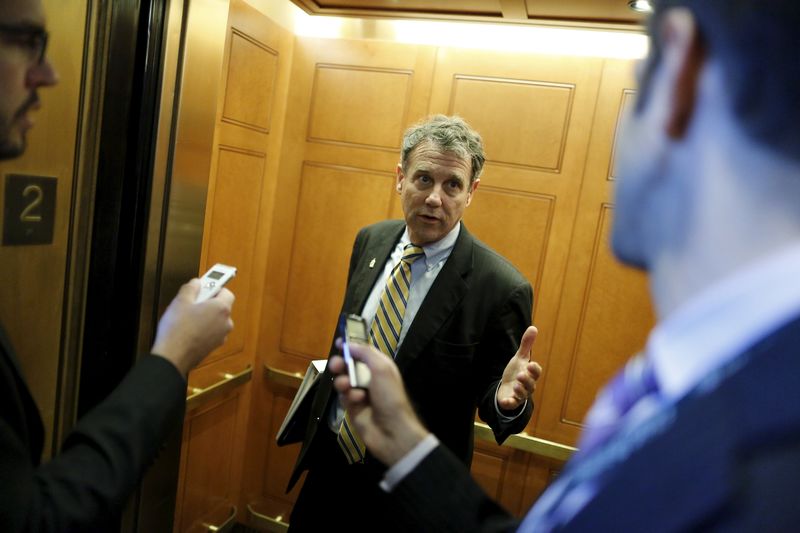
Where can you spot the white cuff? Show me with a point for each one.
(504, 417)
(408, 463)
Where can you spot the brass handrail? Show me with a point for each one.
(225, 527)
(520, 441)
(263, 522)
(228, 382)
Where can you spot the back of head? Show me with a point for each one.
(449, 134)
(757, 45)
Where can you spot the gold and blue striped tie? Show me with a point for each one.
(384, 334)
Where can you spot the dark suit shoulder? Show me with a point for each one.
(382, 228)
(489, 262)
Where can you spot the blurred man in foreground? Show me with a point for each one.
(701, 432)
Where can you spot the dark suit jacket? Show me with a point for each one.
(101, 460)
(727, 458)
(455, 351)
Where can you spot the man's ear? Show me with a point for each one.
(472, 188)
(399, 176)
(684, 57)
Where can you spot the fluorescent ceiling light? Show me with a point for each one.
(503, 37)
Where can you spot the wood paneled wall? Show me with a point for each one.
(246, 150)
(303, 166)
(544, 202)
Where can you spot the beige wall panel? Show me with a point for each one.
(570, 84)
(281, 460)
(489, 469)
(333, 204)
(540, 111)
(604, 312)
(231, 233)
(252, 68)
(628, 101)
(526, 220)
(360, 106)
(573, 83)
(248, 144)
(372, 56)
(514, 478)
(208, 473)
(608, 324)
(540, 472)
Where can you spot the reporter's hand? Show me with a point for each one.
(189, 331)
(382, 415)
(520, 375)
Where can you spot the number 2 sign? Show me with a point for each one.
(29, 209)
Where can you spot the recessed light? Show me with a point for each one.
(641, 6)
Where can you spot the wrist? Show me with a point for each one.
(405, 442)
(160, 350)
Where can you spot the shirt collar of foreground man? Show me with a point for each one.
(706, 202)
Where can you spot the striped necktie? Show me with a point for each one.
(384, 334)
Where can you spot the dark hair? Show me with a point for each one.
(448, 134)
(757, 44)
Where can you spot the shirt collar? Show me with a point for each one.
(723, 320)
(436, 251)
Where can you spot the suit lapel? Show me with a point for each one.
(376, 251)
(443, 297)
(20, 405)
(5, 347)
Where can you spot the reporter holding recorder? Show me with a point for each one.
(86, 485)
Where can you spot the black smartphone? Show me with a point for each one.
(353, 328)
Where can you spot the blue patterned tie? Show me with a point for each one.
(385, 335)
(630, 398)
(634, 383)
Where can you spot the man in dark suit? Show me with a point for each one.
(88, 482)
(702, 431)
(465, 310)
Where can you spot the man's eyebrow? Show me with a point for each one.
(25, 25)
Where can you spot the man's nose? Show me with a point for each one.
(42, 74)
(434, 198)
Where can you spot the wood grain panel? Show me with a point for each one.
(626, 106)
(267, 493)
(488, 469)
(610, 289)
(530, 216)
(324, 232)
(205, 494)
(280, 460)
(604, 311)
(248, 144)
(360, 106)
(252, 69)
(539, 110)
(505, 226)
(540, 472)
(232, 231)
(513, 478)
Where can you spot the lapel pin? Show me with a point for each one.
(372, 263)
